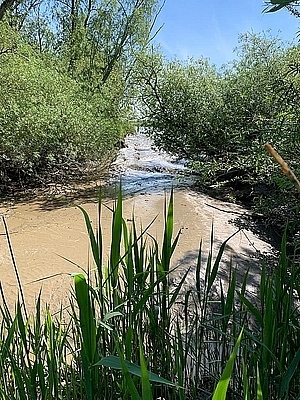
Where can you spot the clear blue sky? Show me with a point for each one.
(210, 28)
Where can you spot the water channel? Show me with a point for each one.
(50, 241)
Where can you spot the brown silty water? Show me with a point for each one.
(50, 241)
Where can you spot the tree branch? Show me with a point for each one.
(4, 6)
(284, 166)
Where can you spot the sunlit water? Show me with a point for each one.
(142, 168)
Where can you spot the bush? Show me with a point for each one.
(219, 122)
(48, 122)
(180, 104)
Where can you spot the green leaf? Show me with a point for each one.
(131, 388)
(279, 4)
(289, 374)
(111, 315)
(114, 362)
(115, 250)
(259, 395)
(213, 274)
(245, 383)
(222, 386)
(86, 316)
(254, 311)
(93, 241)
(146, 387)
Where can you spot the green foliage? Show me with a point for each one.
(277, 358)
(102, 38)
(195, 111)
(276, 5)
(88, 334)
(222, 386)
(64, 87)
(219, 121)
(181, 101)
(47, 121)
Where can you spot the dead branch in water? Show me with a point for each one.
(284, 166)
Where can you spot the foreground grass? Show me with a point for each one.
(126, 319)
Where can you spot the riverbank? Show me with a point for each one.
(50, 241)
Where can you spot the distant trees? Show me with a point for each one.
(47, 122)
(194, 110)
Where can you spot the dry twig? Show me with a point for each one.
(284, 166)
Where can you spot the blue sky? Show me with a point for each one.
(210, 28)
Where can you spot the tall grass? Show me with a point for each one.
(130, 333)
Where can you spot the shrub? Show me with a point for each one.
(219, 122)
(48, 122)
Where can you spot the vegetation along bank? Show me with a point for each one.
(73, 76)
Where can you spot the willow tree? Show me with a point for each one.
(99, 37)
(95, 38)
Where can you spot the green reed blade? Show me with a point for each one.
(112, 314)
(209, 258)
(21, 384)
(253, 310)
(259, 393)
(246, 394)
(100, 239)
(128, 259)
(115, 249)
(244, 283)
(147, 293)
(16, 270)
(213, 273)
(167, 247)
(11, 334)
(180, 352)
(222, 386)
(114, 362)
(229, 303)
(293, 367)
(198, 272)
(88, 334)
(131, 388)
(178, 288)
(129, 342)
(269, 322)
(86, 316)
(55, 341)
(93, 240)
(146, 387)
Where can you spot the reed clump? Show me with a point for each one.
(129, 333)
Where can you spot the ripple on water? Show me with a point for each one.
(144, 169)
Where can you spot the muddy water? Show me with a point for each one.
(50, 242)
